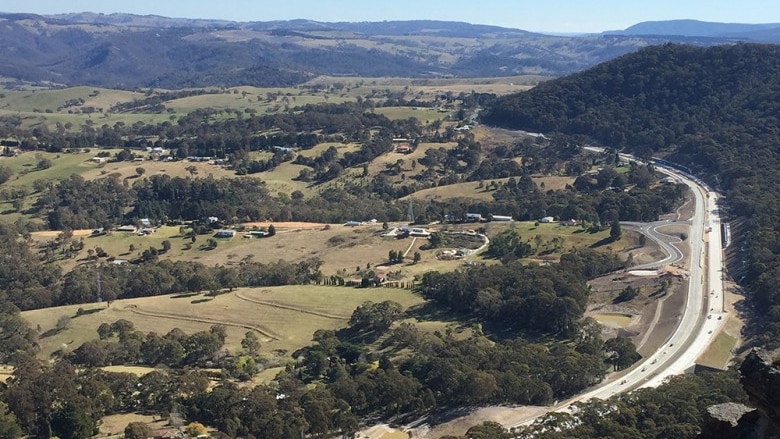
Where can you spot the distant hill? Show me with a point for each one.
(132, 51)
(655, 99)
(769, 32)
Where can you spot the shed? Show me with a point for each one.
(501, 218)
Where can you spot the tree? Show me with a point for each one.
(5, 174)
(627, 294)
(9, 426)
(436, 239)
(417, 257)
(621, 352)
(271, 230)
(488, 430)
(166, 245)
(63, 322)
(508, 244)
(193, 170)
(140, 171)
(138, 430)
(251, 343)
(375, 316)
(43, 163)
(73, 422)
(615, 232)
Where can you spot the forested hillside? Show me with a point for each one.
(128, 51)
(715, 110)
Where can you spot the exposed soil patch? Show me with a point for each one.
(640, 254)
(652, 314)
(464, 421)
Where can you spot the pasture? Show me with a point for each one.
(342, 249)
(283, 317)
(471, 190)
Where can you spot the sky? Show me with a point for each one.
(565, 16)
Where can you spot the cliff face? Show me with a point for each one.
(761, 380)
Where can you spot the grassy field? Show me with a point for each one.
(471, 189)
(341, 248)
(379, 164)
(718, 353)
(55, 100)
(435, 87)
(63, 165)
(50, 107)
(284, 317)
(570, 238)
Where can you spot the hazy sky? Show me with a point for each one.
(537, 15)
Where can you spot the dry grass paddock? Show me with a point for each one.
(283, 317)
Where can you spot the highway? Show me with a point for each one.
(704, 306)
(703, 315)
(694, 330)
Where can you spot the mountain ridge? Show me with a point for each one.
(134, 51)
(697, 28)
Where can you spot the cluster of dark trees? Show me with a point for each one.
(155, 278)
(119, 343)
(201, 133)
(46, 400)
(674, 409)
(514, 296)
(76, 203)
(714, 110)
(327, 166)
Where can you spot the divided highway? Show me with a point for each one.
(697, 325)
(704, 306)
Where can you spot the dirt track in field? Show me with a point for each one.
(135, 310)
(291, 308)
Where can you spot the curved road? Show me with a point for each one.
(705, 290)
(704, 306)
(662, 239)
(702, 317)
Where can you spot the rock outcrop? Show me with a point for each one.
(761, 381)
